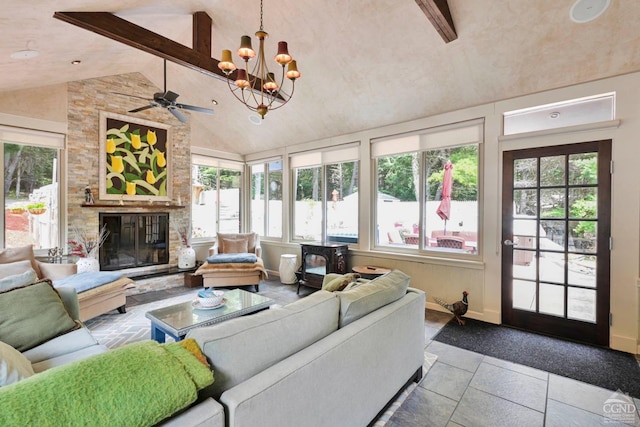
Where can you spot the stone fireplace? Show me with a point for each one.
(86, 98)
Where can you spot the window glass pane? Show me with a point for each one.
(307, 209)
(31, 194)
(552, 171)
(229, 209)
(583, 168)
(581, 304)
(398, 213)
(451, 193)
(274, 189)
(203, 202)
(551, 299)
(552, 203)
(524, 295)
(525, 173)
(257, 199)
(342, 202)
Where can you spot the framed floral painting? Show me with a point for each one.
(135, 159)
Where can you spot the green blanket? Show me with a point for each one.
(136, 385)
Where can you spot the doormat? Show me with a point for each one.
(610, 369)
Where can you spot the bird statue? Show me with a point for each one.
(458, 308)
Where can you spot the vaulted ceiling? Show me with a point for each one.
(364, 64)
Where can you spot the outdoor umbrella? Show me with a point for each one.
(444, 208)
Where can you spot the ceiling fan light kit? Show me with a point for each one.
(584, 11)
(264, 93)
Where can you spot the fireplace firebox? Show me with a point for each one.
(134, 240)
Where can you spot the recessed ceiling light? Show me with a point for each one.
(587, 10)
(76, 62)
(554, 115)
(25, 54)
(214, 102)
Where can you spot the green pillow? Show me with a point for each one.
(340, 282)
(33, 314)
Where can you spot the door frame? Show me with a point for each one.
(597, 333)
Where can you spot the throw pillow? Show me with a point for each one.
(16, 280)
(363, 299)
(13, 365)
(13, 268)
(33, 314)
(20, 254)
(235, 246)
(340, 283)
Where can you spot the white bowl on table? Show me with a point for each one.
(211, 298)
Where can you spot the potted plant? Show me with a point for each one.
(36, 208)
(16, 209)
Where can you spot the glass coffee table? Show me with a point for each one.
(176, 320)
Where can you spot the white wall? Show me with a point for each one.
(447, 278)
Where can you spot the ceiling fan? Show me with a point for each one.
(167, 99)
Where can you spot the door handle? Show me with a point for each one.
(508, 243)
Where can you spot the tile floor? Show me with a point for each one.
(464, 388)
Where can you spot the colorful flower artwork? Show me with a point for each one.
(135, 157)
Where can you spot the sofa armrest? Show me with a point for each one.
(206, 413)
(258, 251)
(70, 301)
(56, 271)
(213, 250)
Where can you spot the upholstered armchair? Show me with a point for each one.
(234, 260)
(235, 243)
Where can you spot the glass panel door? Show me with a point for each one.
(556, 228)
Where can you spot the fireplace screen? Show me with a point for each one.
(134, 240)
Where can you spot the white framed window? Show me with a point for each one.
(32, 190)
(412, 168)
(266, 198)
(216, 196)
(325, 184)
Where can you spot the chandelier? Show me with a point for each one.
(260, 91)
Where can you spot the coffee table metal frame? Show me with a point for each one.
(178, 319)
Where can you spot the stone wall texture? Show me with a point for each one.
(86, 98)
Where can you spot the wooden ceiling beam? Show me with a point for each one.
(439, 15)
(115, 28)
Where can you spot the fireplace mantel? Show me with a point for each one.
(132, 205)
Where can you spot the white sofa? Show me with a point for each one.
(329, 359)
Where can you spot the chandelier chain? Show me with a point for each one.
(261, 28)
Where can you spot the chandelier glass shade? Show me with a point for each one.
(260, 90)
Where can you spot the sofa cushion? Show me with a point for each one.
(32, 314)
(240, 348)
(13, 268)
(235, 246)
(22, 253)
(13, 365)
(367, 297)
(20, 279)
(71, 342)
(250, 238)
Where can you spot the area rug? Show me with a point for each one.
(115, 330)
(610, 369)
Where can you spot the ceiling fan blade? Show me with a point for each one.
(132, 96)
(177, 114)
(146, 107)
(194, 108)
